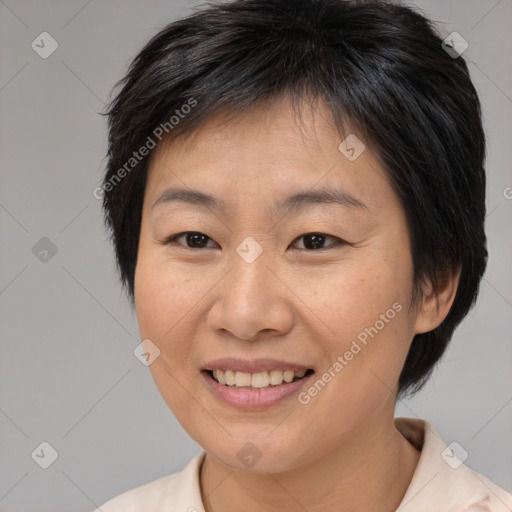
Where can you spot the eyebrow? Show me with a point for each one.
(296, 202)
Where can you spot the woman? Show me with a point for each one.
(296, 196)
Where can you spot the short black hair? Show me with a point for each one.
(381, 69)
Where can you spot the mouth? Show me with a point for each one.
(255, 384)
(256, 380)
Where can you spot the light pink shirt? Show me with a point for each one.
(441, 483)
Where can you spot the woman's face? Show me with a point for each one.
(249, 286)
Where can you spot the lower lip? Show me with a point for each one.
(253, 399)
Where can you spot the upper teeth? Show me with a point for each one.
(256, 380)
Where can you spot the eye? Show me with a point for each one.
(197, 240)
(315, 241)
(193, 239)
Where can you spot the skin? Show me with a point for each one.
(341, 450)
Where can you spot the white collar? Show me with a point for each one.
(441, 483)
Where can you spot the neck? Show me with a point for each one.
(375, 467)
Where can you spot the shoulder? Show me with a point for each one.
(177, 491)
(442, 481)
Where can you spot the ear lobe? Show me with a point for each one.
(437, 301)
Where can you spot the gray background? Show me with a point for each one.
(68, 373)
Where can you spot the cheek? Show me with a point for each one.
(159, 301)
(147, 297)
(364, 311)
(349, 298)
(167, 302)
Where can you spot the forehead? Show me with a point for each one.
(282, 127)
(268, 151)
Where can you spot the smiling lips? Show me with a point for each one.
(255, 374)
(253, 398)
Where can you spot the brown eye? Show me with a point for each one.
(193, 239)
(316, 241)
(197, 240)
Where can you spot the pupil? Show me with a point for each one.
(194, 239)
(316, 241)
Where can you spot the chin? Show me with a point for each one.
(251, 459)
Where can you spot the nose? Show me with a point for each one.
(252, 301)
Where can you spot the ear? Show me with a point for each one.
(437, 301)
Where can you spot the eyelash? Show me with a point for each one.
(172, 239)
